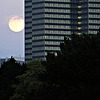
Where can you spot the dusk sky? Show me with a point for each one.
(11, 43)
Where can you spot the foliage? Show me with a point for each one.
(8, 71)
(30, 82)
(76, 68)
(73, 74)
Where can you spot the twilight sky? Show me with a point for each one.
(11, 43)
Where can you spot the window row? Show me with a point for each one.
(38, 48)
(28, 25)
(28, 9)
(57, 5)
(57, 16)
(94, 21)
(94, 10)
(28, 46)
(37, 5)
(28, 4)
(93, 27)
(38, 54)
(28, 14)
(38, 27)
(38, 16)
(57, 32)
(28, 51)
(38, 43)
(59, 0)
(37, 21)
(57, 26)
(28, 20)
(38, 37)
(52, 48)
(52, 43)
(92, 32)
(94, 4)
(38, 10)
(28, 35)
(58, 10)
(94, 0)
(28, 57)
(28, 30)
(94, 16)
(48, 37)
(57, 21)
(55, 37)
(28, 41)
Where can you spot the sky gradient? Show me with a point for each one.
(11, 43)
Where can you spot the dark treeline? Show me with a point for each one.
(73, 74)
(8, 73)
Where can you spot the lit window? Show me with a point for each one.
(79, 6)
(79, 33)
(79, 22)
(79, 28)
(79, 17)
(79, 12)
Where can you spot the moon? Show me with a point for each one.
(16, 24)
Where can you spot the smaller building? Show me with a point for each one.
(1, 61)
(18, 60)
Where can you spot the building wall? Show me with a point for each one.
(28, 29)
(79, 16)
(38, 29)
(1, 61)
(94, 16)
(57, 23)
(48, 21)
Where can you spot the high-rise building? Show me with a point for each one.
(48, 21)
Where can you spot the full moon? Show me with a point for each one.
(16, 24)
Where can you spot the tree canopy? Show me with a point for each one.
(30, 83)
(76, 68)
(8, 72)
(73, 74)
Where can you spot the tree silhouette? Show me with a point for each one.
(8, 71)
(75, 70)
(73, 74)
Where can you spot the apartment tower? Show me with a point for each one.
(48, 21)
